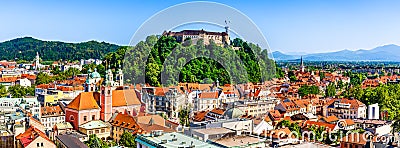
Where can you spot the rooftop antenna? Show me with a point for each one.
(227, 22)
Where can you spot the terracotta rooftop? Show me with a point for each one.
(30, 135)
(51, 111)
(84, 101)
(349, 122)
(218, 111)
(8, 79)
(157, 119)
(124, 98)
(147, 128)
(200, 116)
(332, 118)
(209, 95)
(127, 122)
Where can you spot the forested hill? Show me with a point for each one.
(26, 48)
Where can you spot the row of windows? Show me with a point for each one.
(108, 91)
(6, 104)
(72, 118)
(209, 106)
(190, 36)
(85, 118)
(40, 144)
(53, 119)
(96, 131)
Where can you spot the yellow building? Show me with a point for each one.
(51, 97)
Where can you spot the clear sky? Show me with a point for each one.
(289, 26)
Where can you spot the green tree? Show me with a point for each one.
(279, 72)
(356, 79)
(168, 58)
(292, 76)
(127, 140)
(95, 142)
(396, 125)
(17, 91)
(294, 127)
(3, 91)
(306, 90)
(322, 75)
(43, 78)
(330, 90)
(187, 42)
(184, 116)
(387, 96)
(283, 123)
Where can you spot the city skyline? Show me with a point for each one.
(306, 26)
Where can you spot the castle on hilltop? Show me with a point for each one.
(220, 38)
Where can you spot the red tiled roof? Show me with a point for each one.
(29, 135)
(160, 91)
(319, 124)
(84, 101)
(332, 118)
(35, 120)
(349, 122)
(147, 128)
(275, 114)
(208, 95)
(218, 111)
(124, 98)
(51, 110)
(127, 122)
(28, 76)
(200, 116)
(8, 79)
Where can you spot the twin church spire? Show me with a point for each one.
(94, 79)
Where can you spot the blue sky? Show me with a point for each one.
(289, 26)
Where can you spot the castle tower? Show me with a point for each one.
(106, 103)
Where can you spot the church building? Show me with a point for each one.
(100, 102)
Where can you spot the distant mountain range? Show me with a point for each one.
(383, 53)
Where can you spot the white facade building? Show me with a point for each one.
(24, 82)
(373, 111)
